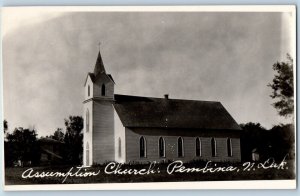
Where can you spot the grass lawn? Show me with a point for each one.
(13, 176)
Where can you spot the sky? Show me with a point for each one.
(213, 56)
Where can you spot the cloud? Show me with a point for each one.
(24, 17)
(226, 57)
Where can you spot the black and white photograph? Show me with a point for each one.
(157, 97)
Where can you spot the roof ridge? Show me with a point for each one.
(168, 98)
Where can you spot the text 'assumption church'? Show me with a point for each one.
(153, 129)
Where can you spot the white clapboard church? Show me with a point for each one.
(135, 129)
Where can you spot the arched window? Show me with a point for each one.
(198, 147)
(87, 121)
(213, 147)
(229, 147)
(87, 154)
(142, 147)
(161, 147)
(119, 147)
(180, 147)
(103, 90)
(88, 90)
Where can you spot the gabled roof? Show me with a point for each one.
(98, 70)
(51, 153)
(111, 78)
(49, 140)
(148, 112)
(92, 76)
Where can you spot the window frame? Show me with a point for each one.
(103, 90)
(87, 153)
(198, 139)
(87, 119)
(213, 144)
(163, 147)
(229, 147)
(182, 146)
(119, 147)
(142, 138)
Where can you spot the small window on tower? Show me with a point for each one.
(87, 121)
(87, 154)
(88, 90)
(120, 148)
(103, 90)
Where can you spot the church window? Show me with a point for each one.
(213, 147)
(198, 147)
(142, 147)
(161, 147)
(103, 90)
(180, 147)
(229, 147)
(87, 121)
(88, 90)
(119, 147)
(87, 154)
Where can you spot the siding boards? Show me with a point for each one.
(103, 137)
(88, 83)
(87, 136)
(109, 87)
(103, 132)
(171, 147)
(236, 149)
(119, 133)
(187, 132)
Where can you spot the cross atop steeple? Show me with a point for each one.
(99, 45)
(99, 67)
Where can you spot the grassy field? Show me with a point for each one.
(13, 176)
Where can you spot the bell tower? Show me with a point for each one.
(98, 137)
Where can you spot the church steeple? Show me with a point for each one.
(99, 67)
(99, 136)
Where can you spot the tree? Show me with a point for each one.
(5, 126)
(283, 87)
(283, 141)
(58, 135)
(73, 140)
(254, 136)
(22, 145)
(277, 142)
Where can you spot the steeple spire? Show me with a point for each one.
(99, 67)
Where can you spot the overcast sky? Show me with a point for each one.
(224, 57)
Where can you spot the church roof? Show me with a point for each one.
(93, 78)
(98, 70)
(148, 112)
(99, 66)
(49, 140)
